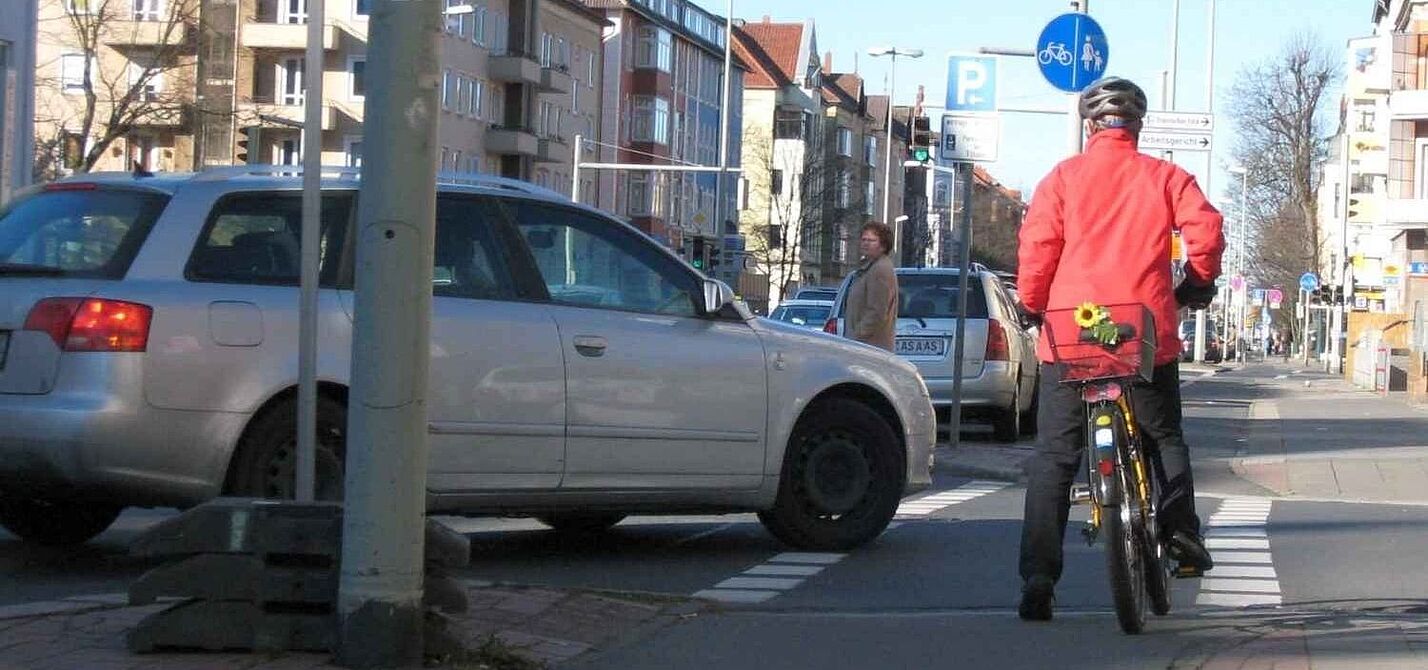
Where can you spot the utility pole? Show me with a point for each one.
(724, 125)
(305, 468)
(1210, 109)
(379, 604)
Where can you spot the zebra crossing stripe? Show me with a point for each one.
(938, 501)
(1244, 572)
(781, 573)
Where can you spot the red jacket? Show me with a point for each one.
(1099, 227)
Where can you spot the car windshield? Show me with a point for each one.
(801, 315)
(934, 296)
(78, 233)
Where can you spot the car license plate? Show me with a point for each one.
(920, 346)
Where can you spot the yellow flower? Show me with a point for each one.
(1087, 314)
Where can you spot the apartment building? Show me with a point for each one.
(898, 137)
(848, 172)
(664, 78)
(114, 85)
(18, 23)
(783, 107)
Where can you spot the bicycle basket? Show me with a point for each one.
(1082, 359)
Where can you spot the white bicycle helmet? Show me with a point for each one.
(1113, 97)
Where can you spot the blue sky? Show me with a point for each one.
(1138, 32)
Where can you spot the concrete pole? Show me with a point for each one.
(723, 126)
(575, 169)
(964, 268)
(305, 468)
(379, 605)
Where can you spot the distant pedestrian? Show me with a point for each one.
(872, 297)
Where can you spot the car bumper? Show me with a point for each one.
(994, 388)
(80, 441)
(921, 437)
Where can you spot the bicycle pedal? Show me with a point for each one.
(1080, 494)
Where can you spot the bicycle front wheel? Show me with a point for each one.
(1125, 563)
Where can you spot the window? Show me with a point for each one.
(445, 156)
(363, 8)
(72, 72)
(870, 198)
(776, 182)
(463, 94)
(542, 178)
(82, 233)
(649, 120)
(81, 6)
(357, 76)
(478, 25)
(290, 11)
(147, 10)
(845, 142)
(654, 49)
(288, 152)
(501, 39)
(146, 81)
(1420, 161)
(255, 238)
(290, 81)
(637, 188)
(788, 124)
(353, 151)
(870, 151)
(590, 71)
(845, 188)
(589, 262)
(1362, 183)
(547, 45)
(456, 160)
(455, 23)
(562, 53)
(478, 98)
(469, 261)
(448, 92)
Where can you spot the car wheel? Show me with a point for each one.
(56, 523)
(1006, 424)
(581, 523)
(843, 476)
(265, 465)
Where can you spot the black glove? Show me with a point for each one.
(1194, 296)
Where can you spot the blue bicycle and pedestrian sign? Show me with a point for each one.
(1309, 282)
(1072, 52)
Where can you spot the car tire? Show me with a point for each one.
(843, 476)
(1006, 423)
(582, 523)
(56, 522)
(266, 460)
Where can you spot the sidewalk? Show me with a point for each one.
(507, 628)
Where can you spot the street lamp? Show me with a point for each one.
(894, 52)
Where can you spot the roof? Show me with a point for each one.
(985, 178)
(771, 50)
(585, 11)
(878, 110)
(843, 89)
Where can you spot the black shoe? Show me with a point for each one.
(1036, 599)
(1189, 550)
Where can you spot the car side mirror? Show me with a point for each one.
(717, 296)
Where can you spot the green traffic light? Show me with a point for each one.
(921, 154)
(698, 264)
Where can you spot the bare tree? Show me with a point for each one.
(1281, 138)
(137, 69)
(794, 188)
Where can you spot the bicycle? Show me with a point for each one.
(1055, 51)
(1122, 483)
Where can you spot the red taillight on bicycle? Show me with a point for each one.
(997, 347)
(1106, 467)
(830, 326)
(92, 324)
(1098, 392)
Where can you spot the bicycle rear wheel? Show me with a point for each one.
(1157, 560)
(1125, 563)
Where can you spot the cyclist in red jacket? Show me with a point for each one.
(1098, 229)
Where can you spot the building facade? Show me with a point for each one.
(664, 74)
(18, 24)
(845, 178)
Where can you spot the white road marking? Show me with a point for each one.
(933, 503)
(1192, 380)
(1281, 376)
(814, 558)
(778, 574)
(784, 570)
(735, 595)
(774, 583)
(1240, 578)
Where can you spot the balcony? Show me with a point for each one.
(519, 141)
(514, 68)
(555, 80)
(161, 115)
(286, 36)
(1408, 104)
(268, 113)
(1406, 213)
(552, 150)
(145, 33)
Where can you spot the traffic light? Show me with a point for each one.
(921, 147)
(696, 254)
(714, 251)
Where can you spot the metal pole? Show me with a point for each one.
(575, 169)
(964, 268)
(1210, 108)
(1174, 50)
(1076, 138)
(1244, 244)
(379, 605)
(1304, 301)
(305, 485)
(887, 154)
(1346, 284)
(724, 124)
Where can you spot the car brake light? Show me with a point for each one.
(997, 347)
(830, 326)
(92, 324)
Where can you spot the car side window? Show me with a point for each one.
(587, 261)
(468, 262)
(256, 238)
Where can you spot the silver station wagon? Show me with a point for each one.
(579, 373)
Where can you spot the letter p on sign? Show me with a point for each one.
(971, 83)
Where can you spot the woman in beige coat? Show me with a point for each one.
(872, 298)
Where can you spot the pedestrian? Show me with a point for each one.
(872, 297)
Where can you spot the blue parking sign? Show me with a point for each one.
(971, 83)
(1072, 52)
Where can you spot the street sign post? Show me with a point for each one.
(1185, 122)
(971, 83)
(970, 138)
(1072, 52)
(1175, 141)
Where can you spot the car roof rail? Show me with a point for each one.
(262, 170)
(492, 181)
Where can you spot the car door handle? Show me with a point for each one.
(590, 345)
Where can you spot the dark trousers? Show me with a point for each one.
(1061, 439)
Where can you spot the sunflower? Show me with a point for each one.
(1088, 314)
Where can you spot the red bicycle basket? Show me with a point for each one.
(1084, 360)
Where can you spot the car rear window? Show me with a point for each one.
(77, 233)
(801, 315)
(934, 296)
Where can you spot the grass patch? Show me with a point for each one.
(491, 654)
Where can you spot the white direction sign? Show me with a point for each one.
(970, 138)
(1185, 122)
(1174, 141)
